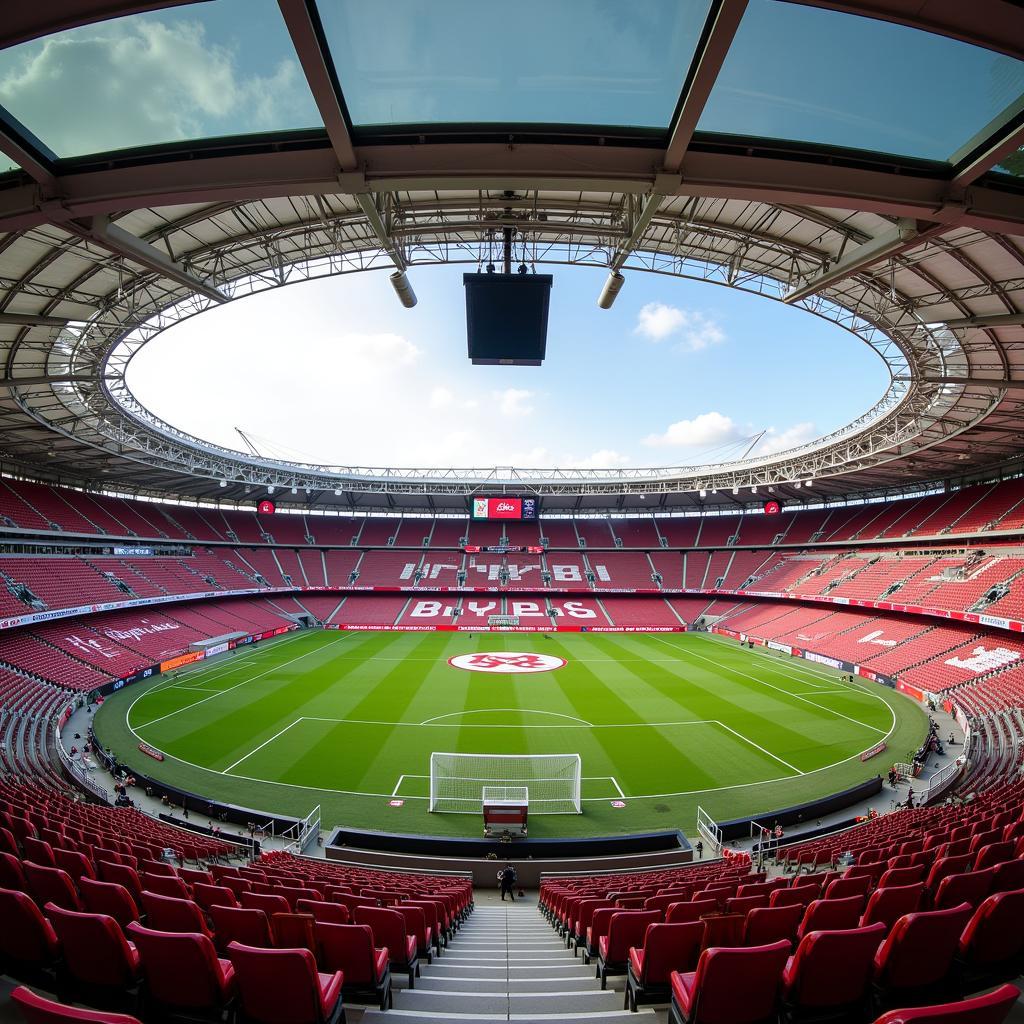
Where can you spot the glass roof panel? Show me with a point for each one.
(7, 164)
(1012, 164)
(564, 62)
(818, 76)
(205, 70)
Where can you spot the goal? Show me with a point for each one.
(457, 781)
(502, 621)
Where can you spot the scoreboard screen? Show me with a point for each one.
(266, 508)
(504, 508)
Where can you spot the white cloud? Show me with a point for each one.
(440, 397)
(709, 428)
(693, 330)
(141, 81)
(379, 354)
(604, 458)
(776, 440)
(514, 401)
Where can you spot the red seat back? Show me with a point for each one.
(888, 905)
(207, 895)
(897, 877)
(627, 928)
(245, 925)
(181, 970)
(51, 885)
(920, 948)
(831, 969)
(842, 888)
(799, 895)
(831, 915)
(109, 898)
(95, 949)
(994, 933)
(331, 913)
(970, 887)
(765, 925)
(670, 947)
(991, 1008)
(266, 902)
(35, 1009)
(388, 928)
(348, 948)
(719, 995)
(26, 937)
(680, 913)
(169, 914)
(293, 931)
(278, 986)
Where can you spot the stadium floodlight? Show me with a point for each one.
(457, 781)
(703, 493)
(337, 492)
(403, 289)
(223, 483)
(270, 489)
(611, 290)
(295, 489)
(808, 483)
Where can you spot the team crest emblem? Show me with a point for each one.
(506, 662)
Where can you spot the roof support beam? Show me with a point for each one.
(45, 378)
(29, 161)
(107, 234)
(643, 219)
(369, 208)
(996, 145)
(31, 320)
(998, 383)
(724, 22)
(306, 41)
(994, 320)
(887, 244)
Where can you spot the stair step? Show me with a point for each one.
(514, 1002)
(522, 986)
(375, 1016)
(569, 968)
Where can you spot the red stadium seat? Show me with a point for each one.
(109, 898)
(830, 972)
(35, 1009)
(730, 986)
(831, 915)
(182, 972)
(389, 930)
(666, 948)
(51, 885)
(349, 948)
(283, 986)
(765, 925)
(991, 1008)
(245, 925)
(914, 963)
(992, 945)
(28, 944)
(169, 914)
(888, 905)
(970, 887)
(625, 929)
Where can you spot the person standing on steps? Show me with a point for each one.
(507, 878)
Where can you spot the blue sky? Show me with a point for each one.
(676, 372)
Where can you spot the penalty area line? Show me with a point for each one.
(262, 745)
(745, 739)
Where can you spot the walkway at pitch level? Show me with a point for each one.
(506, 964)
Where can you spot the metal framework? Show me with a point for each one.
(925, 267)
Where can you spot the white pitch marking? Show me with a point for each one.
(261, 746)
(618, 788)
(523, 711)
(788, 693)
(439, 725)
(220, 693)
(398, 785)
(774, 757)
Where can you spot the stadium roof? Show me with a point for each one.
(862, 160)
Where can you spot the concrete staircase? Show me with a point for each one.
(506, 964)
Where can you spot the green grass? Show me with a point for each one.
(675, 720)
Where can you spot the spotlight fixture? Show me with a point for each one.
(808, 483)
(223, 483)
(295, 489)
(611, 289)
(337, 492)
(735, 490)
(403, 289)
(270, 490)
(703, 493)
(753, 490)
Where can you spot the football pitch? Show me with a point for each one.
(662, 722)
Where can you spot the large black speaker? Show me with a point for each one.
(507, 318)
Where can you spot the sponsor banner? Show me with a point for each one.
(181, 659)
(122, 552)
(776, 646)
(911, 691)
(151, 752)
(452, 628)
(874, 751)
(821, 659)
(503, 549)
(209, 652)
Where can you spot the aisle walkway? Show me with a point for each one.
(506, 964)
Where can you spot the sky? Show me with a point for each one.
(336, 371)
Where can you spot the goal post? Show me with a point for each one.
(457, 781)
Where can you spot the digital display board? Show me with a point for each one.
(504, 508)
(266, 508)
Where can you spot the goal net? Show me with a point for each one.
(457, 781)
(502, 621)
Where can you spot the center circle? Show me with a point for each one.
(507, 662)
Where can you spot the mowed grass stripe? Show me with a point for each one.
(635, 690)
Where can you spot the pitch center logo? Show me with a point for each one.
(507, 662)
